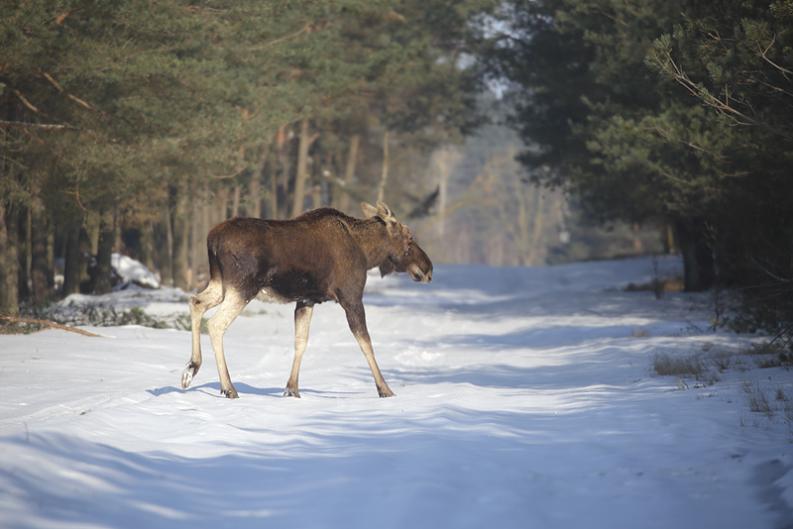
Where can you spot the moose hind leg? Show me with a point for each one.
(302, 322)
(356, 318)
(199, 304)
(229, 309)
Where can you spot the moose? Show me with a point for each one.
(321, 255)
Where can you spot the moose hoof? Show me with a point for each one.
(188, 374)
(230, 393)
(291, 392)
(385, 392)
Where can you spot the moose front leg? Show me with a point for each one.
(356, 318)
(302, 322)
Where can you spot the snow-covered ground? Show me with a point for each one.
(525, 398)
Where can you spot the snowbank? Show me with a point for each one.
(132, 271)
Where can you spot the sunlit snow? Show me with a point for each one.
(525, 398)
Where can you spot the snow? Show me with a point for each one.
(132, 271)
(525, 398)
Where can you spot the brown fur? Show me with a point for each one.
(319, 256)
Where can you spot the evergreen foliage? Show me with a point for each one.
(677, 112)
(144, 123)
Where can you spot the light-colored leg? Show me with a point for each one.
(366, 347)
(232, 305)
(199, 304)
(356, 318)
(302, 323)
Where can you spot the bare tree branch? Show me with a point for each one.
(82, 102)
(310, 27)
(764, 54)
(49, 324)
(724, 107)
(25, 101)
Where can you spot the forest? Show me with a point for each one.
(678, 112)
(135, 126)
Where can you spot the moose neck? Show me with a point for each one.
(372, 237)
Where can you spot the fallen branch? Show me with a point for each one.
(49, 324)
(43, 126)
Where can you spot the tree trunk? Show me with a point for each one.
(147, 244)
(668, 238)
(343, 201)
(72, 258)
(103, 281)
(282, 174)
(537, 226)
(23, 254)
(222, 197)
(235, 201)
(316, 196)
(195, 242)
(181, 241)
(523, 194)
(9, 301)
(198, 234)
(698, 266)
(384, 171)
(40, 269)
(638, 246)
(92, 228)
(273, 198)
(166, 261)
(301, 172)
(254, 206)
(206, 210)
(443, 161)
(253, 203)
(202, 265)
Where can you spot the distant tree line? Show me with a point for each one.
(673, 111)
(494, 214)
(138, 125)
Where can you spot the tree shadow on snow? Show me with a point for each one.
(329, 476)
(509, 377)
(538, 336)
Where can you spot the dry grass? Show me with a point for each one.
(658, 286)
(722, 360)
(758, 402)
(667, 365)
(770, 354)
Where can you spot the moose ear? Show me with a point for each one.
(369, 210)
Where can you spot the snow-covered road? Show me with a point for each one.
(525, 398)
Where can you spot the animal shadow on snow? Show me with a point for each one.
(213, 389)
